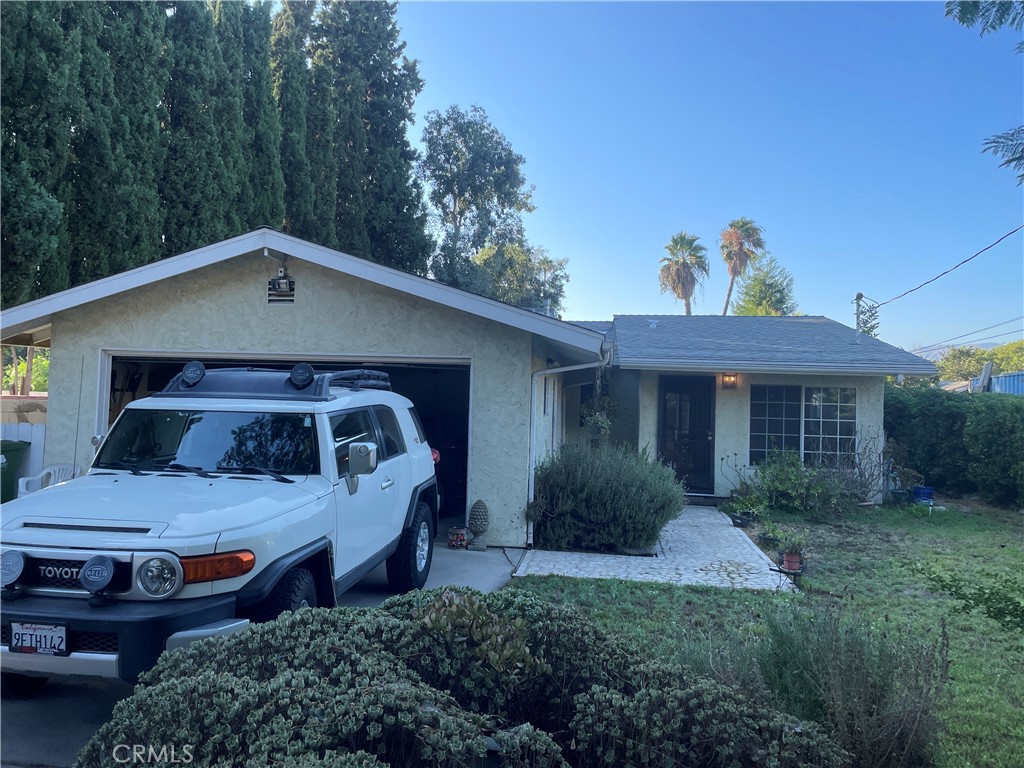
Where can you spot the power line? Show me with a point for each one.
(926, 282)
(972, 341)
(969, 333)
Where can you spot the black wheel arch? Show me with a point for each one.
(315, 556)
(426, 493)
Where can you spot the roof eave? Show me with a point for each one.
(836, 369)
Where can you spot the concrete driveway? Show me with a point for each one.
(50, 728)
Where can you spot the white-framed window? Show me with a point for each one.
(819, 422)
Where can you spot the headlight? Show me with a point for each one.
(158, 576)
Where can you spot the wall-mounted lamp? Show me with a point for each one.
(728, 381)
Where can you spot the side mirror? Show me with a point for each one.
(362, 460)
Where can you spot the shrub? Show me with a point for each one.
(442, 678)
(875, 690)
(783, 483)
(1000, 596)
(961, 443)
(603, 498)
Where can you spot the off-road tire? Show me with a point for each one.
(295, 590)
(15, 686)
(409, 566)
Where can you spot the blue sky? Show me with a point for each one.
(851, 132)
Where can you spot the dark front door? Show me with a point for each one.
(686, 430)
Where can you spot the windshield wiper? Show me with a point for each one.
(120, 465)
(197, 470)
(256, 471)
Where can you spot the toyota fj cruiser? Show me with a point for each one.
(232, 495)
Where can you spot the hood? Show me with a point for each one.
(126, 507)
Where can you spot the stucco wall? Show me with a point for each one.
(732, 415)
(223, 310)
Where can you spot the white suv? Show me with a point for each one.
(230, 496)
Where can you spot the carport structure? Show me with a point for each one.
(487, 378)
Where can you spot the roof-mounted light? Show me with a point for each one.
(301, 375)
(193, 373)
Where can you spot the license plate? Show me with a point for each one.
(44, 639)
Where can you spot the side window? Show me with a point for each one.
(348, 428)
(394, 443)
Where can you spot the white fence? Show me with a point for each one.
(32, 462)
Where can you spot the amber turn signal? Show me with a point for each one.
(214, 567)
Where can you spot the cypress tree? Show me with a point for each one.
(291, 89)
(194, 186)
(375, 86)
(134, 39)
(262, 122)
(39, 67)
(321, 125)
(95, 215)
(228, 115)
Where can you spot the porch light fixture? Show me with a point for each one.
(728, 381)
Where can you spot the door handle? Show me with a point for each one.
(388, 482)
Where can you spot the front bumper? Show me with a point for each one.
(118, 639)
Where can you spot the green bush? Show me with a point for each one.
(875, 689)
(783, 483)
(961, 443)
(444, 678)
(602, 498)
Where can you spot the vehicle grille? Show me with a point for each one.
(78, 642)
(63, 574)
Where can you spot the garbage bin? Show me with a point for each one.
(13, 454)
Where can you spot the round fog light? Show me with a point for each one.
(97, 573)
(13, 565)
(158, 576)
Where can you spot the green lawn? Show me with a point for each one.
(861, 560)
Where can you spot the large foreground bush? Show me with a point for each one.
(961, 443)
(603, 498)
(445, 678)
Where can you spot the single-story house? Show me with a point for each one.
(497, 387)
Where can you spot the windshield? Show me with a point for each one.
(208, 440)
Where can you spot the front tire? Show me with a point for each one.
(295, 590)
(409, 567)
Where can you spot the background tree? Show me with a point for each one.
(291, 90)
(262, 143)
(1008, 358)
(869, 319)
(195, 187)
(990, 15)
(228, 25)
(476, 185)
(961, 363)
(742, 241)
(685, 267)
(765, 289)
(521, 275)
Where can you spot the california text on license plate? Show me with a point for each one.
(46, 639)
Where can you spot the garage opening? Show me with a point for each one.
(439, 391)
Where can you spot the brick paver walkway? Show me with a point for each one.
(700, 547)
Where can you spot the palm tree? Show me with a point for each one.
(684, 268)
(742, 241)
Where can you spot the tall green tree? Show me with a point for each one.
(1008, 358)
(39, 73)
(229, 104)
(742, 241)
(262, 121)
(291, 27)
(961, 363)
(476, 186)
(379, 202)
(521, 275)
(195, 183)
(134, 38)
(765, 289)
(322, 151)
(685, 267)
(988, 16)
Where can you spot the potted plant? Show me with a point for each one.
(771, 535)
(792, 551)
(742, 510)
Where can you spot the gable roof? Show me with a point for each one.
(792, 344)
(30, 322)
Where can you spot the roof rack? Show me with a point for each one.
(302, 382)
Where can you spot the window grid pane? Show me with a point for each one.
(830, 425)
(774, 420)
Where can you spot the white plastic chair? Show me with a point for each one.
(51, 475)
